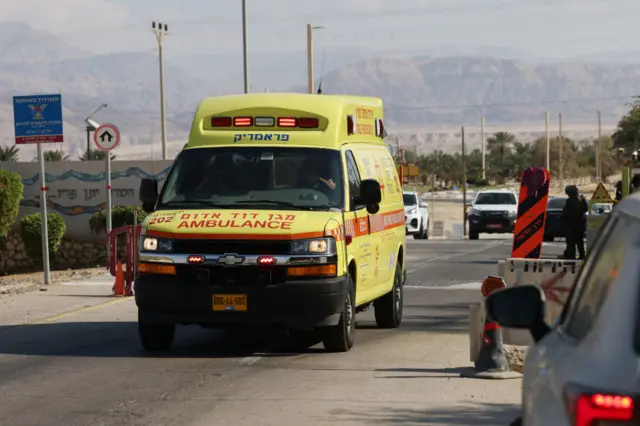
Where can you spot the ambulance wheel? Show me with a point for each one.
(473, 235)
(426, 232)
(388, 308)
(156, 337)
(340, 338)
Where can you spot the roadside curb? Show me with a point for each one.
(14, 289)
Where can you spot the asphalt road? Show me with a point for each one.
(85, 366)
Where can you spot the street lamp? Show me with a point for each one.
(160, 30)
(91, 127)
(310, 79)
(245, 65)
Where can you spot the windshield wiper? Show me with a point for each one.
(282, 203)
(205, 203)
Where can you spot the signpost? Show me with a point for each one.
(107, 137)
(38, 119)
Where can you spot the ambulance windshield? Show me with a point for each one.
(263, 178)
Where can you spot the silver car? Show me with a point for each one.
(585, 369)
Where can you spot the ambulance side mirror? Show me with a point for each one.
(148, 194)
(370, 195)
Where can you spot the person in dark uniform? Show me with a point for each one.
(573, 219)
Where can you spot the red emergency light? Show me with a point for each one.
(308, 123)
(195, 259)
(243, 121)
(221, 121)
(351, 125)
(266, 260)
(286, 122)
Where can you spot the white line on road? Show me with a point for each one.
(463, 286)
(250, 360)
(451, 256)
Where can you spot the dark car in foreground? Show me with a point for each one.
(553, 227)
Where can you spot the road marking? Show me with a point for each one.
(54, 318)
(475, 285)
(250, 360)
(450, 256)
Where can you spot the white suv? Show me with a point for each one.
(416, 214)
(493, 212)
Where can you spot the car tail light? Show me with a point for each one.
(286, 122)
(596, 408)
(308, 123)
(243, 121)
(221, 121)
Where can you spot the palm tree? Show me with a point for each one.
(55, 155)
(9, 154)
(96, 155)
(499, 145)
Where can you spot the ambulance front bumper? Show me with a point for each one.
(271, 298)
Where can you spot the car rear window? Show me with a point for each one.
(556, 203)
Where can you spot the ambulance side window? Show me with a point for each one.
(354, 180)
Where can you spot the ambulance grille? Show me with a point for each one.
(230, 246)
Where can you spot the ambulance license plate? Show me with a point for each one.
(494, 226)
(230, 302)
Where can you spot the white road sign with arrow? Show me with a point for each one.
(106, 137)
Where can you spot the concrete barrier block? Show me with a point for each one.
(555, 277)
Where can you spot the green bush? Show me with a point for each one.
(11, 188)
(120, 216)
(31, 232)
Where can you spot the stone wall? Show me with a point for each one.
(71, 254)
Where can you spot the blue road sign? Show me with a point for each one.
(38, 119)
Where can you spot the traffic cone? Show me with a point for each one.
(491, 362)
(118, 286)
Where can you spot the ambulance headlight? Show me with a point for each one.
(158, 245)
(314, 246)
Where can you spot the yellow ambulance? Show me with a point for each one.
(282, 210)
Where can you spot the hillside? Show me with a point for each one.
(426, 98)
(433, 91)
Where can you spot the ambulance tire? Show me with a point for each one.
(473, 235)
(340, 338)
(388, 309)
(156, 337)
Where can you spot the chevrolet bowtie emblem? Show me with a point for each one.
(230, 259)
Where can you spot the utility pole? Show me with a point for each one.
(560, 160)
(484, 152)
(310, 76)
(160, 30)
(548, 162)
(245, 65)
(598, 165)
(464, 186)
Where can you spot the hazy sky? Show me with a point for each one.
(543, 28)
